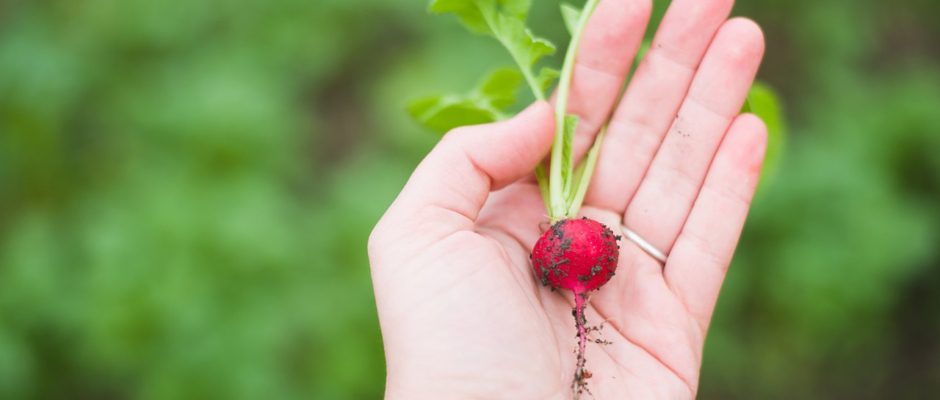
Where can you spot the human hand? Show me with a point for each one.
(462, 315)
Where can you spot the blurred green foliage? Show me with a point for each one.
(186, 188)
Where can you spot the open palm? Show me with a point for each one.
(462, 315)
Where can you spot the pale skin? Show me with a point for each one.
(461, 313)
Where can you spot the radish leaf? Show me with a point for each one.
(546, 77)
(505, 21)
(443, 113)
(499, 88)
(484, 104)
(542, 180)
(641, 52)
(571, 124)
(764, 102)
(474, 14)
(571, 15)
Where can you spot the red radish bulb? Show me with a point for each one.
(576, 254)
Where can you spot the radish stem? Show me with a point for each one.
(583, 175)
(543, 185)
(559, 207)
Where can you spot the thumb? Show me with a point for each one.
(452, 183)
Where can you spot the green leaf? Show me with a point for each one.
(502, 19)
(571, 124)
(466, 10)
(542, 180)
(765, 103)
(499, 88)
(505, 21)
(474, 14)
(443, 113)
(546, 78)
(571, 15)
(525, 47)
(485, 103)
(641, 52)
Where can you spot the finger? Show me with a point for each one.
(605, 54)
(652, 99)
(665, 196)
(451, 184)
(700, 259)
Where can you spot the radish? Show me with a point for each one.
(579, 255)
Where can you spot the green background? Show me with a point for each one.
(186, 188)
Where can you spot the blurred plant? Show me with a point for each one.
(186, 188)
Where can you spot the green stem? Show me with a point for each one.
(543, 184)
(584, 177)
(530, 79)
(559, 207)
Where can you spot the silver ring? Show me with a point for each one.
(643, 244)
